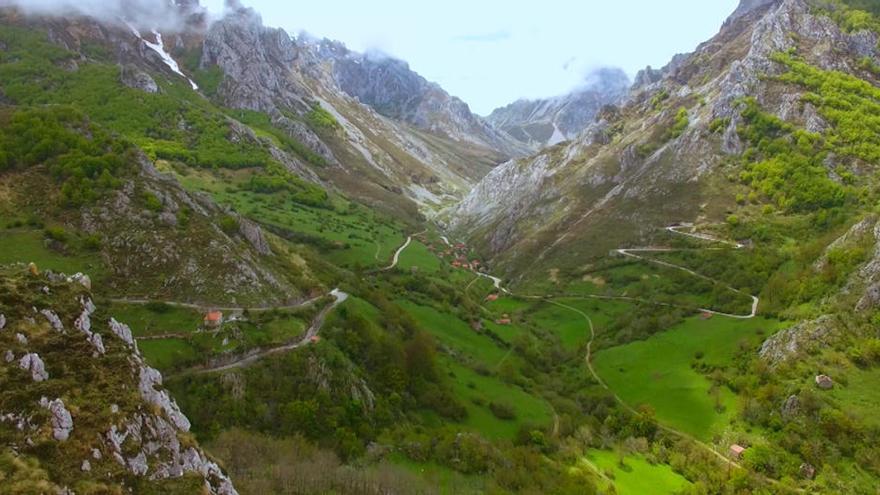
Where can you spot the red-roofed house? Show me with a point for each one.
(213, 319)
(736, 451)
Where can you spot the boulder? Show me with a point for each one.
(807, 471)
(53, 320)
(135, 78)
(62, 421)
(83, 280)
(98, 343)
(34, 365)
(824, 382)
(151, 390)
(2, 322)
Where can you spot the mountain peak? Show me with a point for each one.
(745, 7)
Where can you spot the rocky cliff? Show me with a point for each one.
(80, 411)
(389, 86)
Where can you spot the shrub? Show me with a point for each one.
(152, 202)
(228, 224)
(502, 410)
(92, 242)
(320, 118)
(682, 121)
(158, 307)
(56, 233)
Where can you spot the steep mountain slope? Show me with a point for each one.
(409, 162)
(660, 158)
(80, 411)
(392, 89)
(104, 207)
(547, 122)
(429, 149)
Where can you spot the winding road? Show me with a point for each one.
(400, 250)
(588, 358)
(202, 307)
(631, 253)
(258, 354)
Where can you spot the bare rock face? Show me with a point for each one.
(802, 337)
(301, 132)
(122, 331)
(33, 364)
(135, 78)
(237, 44)
(62, 421)
(150, 387)
(254, 235)
(53, 320)
(870, 299)
(392, 89)
(869, 275)
(747, 6)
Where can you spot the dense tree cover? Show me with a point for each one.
(785, 164)
(849, 104)
(85, 159)
(277, 181)
(851, 15)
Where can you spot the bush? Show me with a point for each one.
(92, 242)
(502, 410)
(682, 121)
(152, 202)
(228, 224)
(56, 233)
(158, 307)
(322, 119)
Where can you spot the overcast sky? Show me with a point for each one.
(492, 52)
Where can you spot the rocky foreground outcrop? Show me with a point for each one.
(80, 410)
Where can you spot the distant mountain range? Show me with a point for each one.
(546, 122)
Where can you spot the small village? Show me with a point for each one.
(460, 257)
